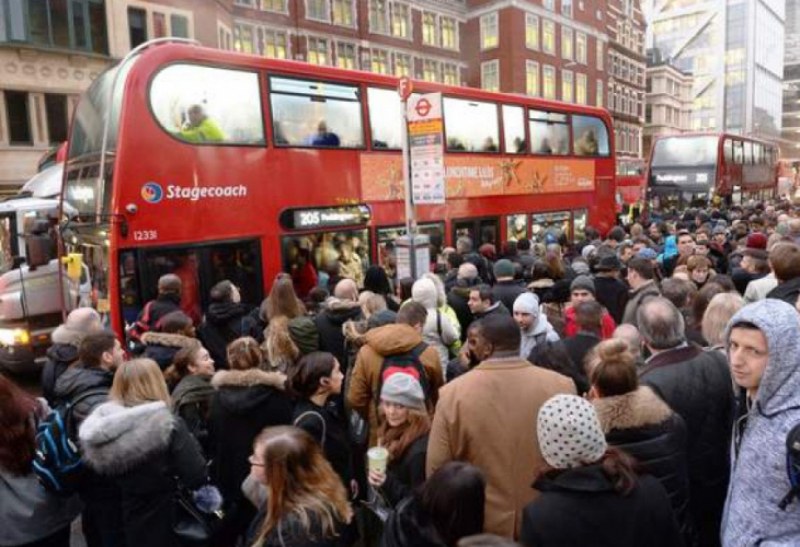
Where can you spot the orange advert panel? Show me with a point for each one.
(382, 176)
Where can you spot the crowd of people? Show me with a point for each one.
(631, 389)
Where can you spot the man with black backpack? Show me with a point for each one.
(83, 386)
(389, 349)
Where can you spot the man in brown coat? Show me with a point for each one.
(487, 417)
(395, 339)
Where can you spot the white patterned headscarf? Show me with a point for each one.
(569, 432)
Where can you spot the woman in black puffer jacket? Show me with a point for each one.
(635, 420)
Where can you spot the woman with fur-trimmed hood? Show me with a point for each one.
(636, 420)
(136, 440)
(246, 400)
(176, 333)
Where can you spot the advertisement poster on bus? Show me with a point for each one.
(381, 177)
(425, 137)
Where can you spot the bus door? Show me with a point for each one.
(479, 230)
(199, 267)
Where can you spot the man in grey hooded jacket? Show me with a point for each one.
(533, 325)
(763, 342)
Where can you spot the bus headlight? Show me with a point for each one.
(14, 337)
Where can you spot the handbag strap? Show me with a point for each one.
(321, 419)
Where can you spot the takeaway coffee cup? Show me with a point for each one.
(376, 459)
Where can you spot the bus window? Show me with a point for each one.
(471, 126)
(748, 153)
(318, 114)
(728, 150)
(385, 117)
(480, 231)
(758, 154)
(590, 136)
(555, 224)
(320, 255)
(514, 129)
(516, 227)
(549, 133)
(738, 153)
(206, 105)
(579, 224)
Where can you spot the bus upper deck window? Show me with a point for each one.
(207, 105)
(514, 129)
(590, 136)
(549, 133)
(471, 126)
(315, 114)
(385, 118)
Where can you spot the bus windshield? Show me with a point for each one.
(685, 152)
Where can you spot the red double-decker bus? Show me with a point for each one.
(696, 169)
(217, 165)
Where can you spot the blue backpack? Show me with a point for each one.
(57, 461)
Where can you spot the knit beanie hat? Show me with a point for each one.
(569, 432)
(588, 251)
(647, 253)
(403, 389)
(304, 334)
(504, 268)
(580, 267)
(582, 283)
(527, 302)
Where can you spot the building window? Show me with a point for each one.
(318, 10)
(450, 74)
(343, 13)
(490, 75)
(532, 78)
(279, 6)
(275, 44)
(531, 31)
(77, 24)
(599, 55)
(449, 32)
(401, 23)
(599, 92)
(159, 25)
(137, 26)
(549, 82)
(430, 71)
(57, 120)
(245, 3)
(345, 55)
(317, 51)
(566, 43)
(179, 26)
(380, 61)
(489, 31)
(225, 38)
(566, 7)
(18, 116)
(580, 47)
(378, 17)
(549, 37)
(567, 86)
(402, 64)
(580, 88)
(429, 29)
(549, 4)
(243, 38)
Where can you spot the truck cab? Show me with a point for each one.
(33, 286)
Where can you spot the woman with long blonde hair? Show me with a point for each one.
(306, 503)
(404, 433)
(135, 440)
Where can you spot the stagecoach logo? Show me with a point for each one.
(152, 192)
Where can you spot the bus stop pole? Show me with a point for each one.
(411, 221)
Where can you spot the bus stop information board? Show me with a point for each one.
(426, 152)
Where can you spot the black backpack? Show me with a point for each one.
(407, 363)
(792, 466)
(57, 461)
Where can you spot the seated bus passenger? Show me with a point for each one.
(200, 128)
(489, 145)
(324, 137)
(544, 147)
(586, 145)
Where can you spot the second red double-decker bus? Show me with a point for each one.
(217, 165)
(700, 168)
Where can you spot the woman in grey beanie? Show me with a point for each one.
(404, 434)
